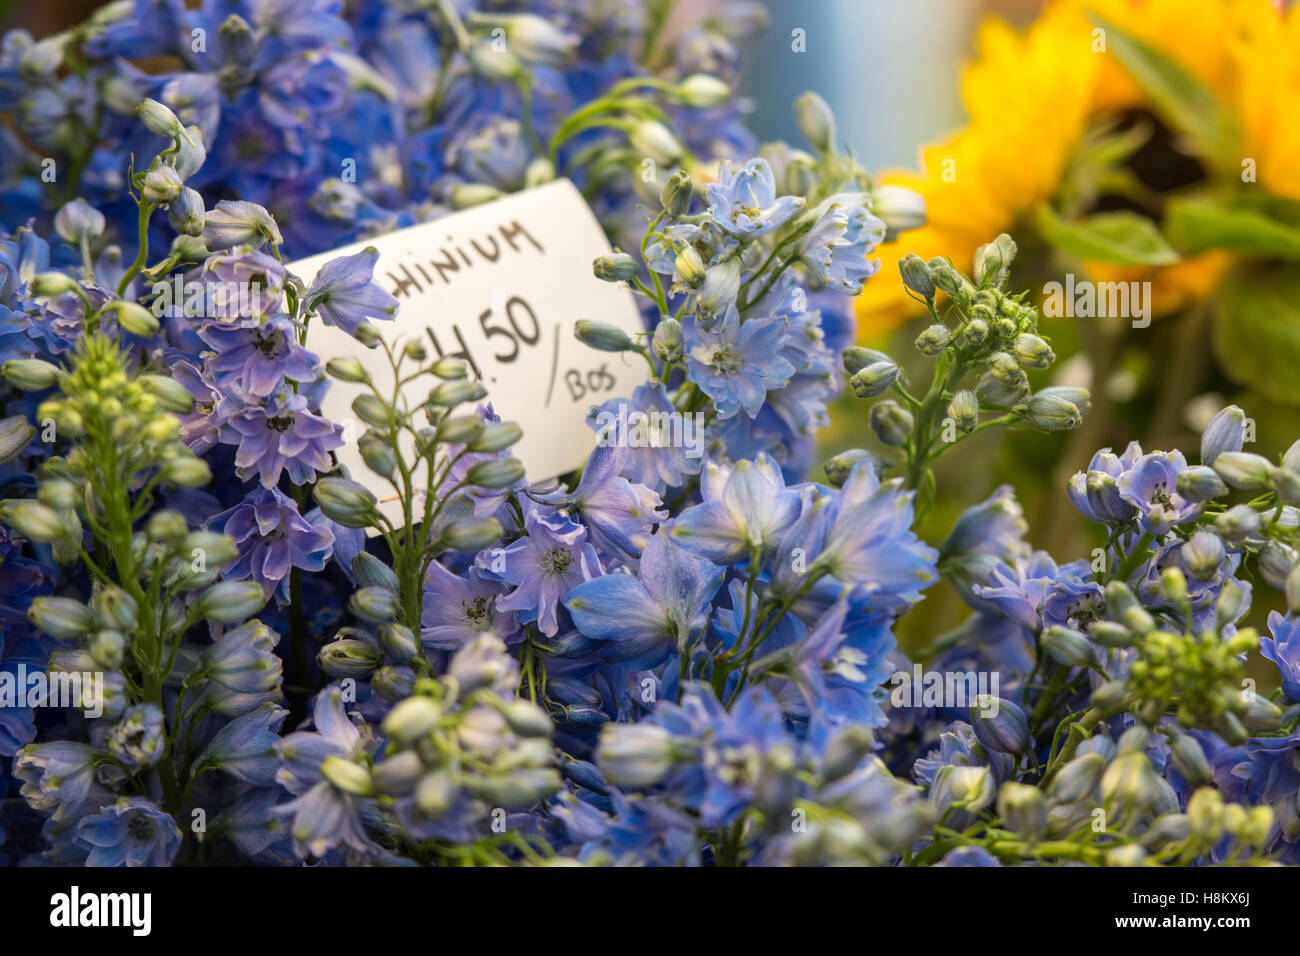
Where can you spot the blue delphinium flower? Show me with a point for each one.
(744, 202)
(1096, 493)
(1283, 649)
(326, 814)
(344, 293)
(257, 360)
(129, 832)
(739, 363)
(552, 558)
(835, 249)
(245, 747)
(58, 777)
(241, 669)
(657, 464)
(457, 609)
(1150, 486)
(646, 617)
(272, 538)
(618, 513)
(745, 507)
(279, 435)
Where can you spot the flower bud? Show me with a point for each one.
(157, 118)
(16, 433)
(690, 266)
(1244, 470)
(972, 335)
(1226, 432)
(602, 336)
(838, 468)
(1262, 716)
(345, 502)
(1200, 483)
(496, 437)
(1275, 563)
(1077, 780)
(114, 609)
(1129, 782)
(898, 207)
(934, 339)
(161, 185)
(815, 121)
(1006, 370)
(451, 394)
(1110, 696)
(79, 221)
(399, 641)
(1189, 759)
(1202, 554)
(349, 657)
(434, 794)
(1238, 523)
(1023, 809)
(1110, 634)
(1000, 725)
(469, 195)
(916, 275)
(527, 719)
(451, 369)
(347, 370)
(62, 618)
(398, 775)
(1205, 816)
(35, 521)
(377, 454)
(634, 755)
(216, 550)
(471, 534)
(495, 473)
(347, 776)
(891, 422)
(702, 91)
(964, 409)
(1174, 585)
(137, 320)
(230, 602)
(107, 649)
(675, 197)
(874, 380)
(1050, 413)
(59, 494)
(186, 471)
(615, 267)
(373, 604)
(411, 719)
(845, 751)
(949, 279)
(29, 375)
(51, 284)
(518, 789)
(993, 262)
(1128, 855)
(655, 140)
(1068, 647)
(1033, 352)
(667, 341)
(1231, 604)
(971, 787)
(1165, 829)
(856, 358)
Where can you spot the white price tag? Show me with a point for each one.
(499, 286)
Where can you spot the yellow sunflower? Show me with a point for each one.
(1045, 101)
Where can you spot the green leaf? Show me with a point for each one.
(1195, 224)
(1120, 238)
(1257, 329)
(1185, 105)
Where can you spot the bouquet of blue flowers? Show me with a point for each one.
(219, 645)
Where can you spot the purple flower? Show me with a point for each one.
(1225, 432)
(1150, 485)
(656, 462)
(647, 616)
(239, 287)
(272, 537)
(1283, 649)
(325, 815)
(618, 513)
(544, 566)
(257, 360)
(459, 609)
(745, 508)
(738, 364)
(835, 249)
(744, 202)
(345, 294)
(130, 832)
(279, 435)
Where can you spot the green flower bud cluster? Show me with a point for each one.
(985, 343)
(464, 741)
(1198, 677)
